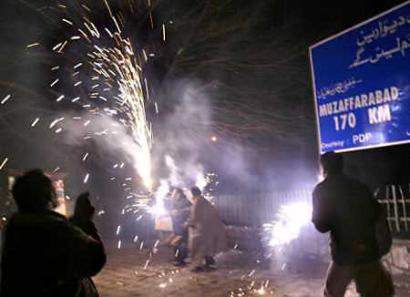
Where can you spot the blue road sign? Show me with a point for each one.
(361, 82)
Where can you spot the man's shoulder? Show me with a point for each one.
(48, 217)
(320, 186)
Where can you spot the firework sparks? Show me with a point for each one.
(54, 82)
(34, 44)
(4, 163)
(85, 157)
(5, 99)
(290, 221)
(34, 123)
(60, 98)
(87, 176)
(55, 122)
(163, 32)
(120, 66)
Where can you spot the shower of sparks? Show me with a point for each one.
(110, 71)
(291, 219)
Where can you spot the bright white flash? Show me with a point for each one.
(201, 181)
(291, 219)
(158, 209)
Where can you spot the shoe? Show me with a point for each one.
(209, 268)
(197, 269)
(209, 261)
(179, 264)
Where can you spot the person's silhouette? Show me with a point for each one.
(43, 253)
(347, 209)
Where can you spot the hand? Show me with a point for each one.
(83, 207)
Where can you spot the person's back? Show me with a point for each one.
(207, 216)
(347, 209)
(43, 254)
(353, 212)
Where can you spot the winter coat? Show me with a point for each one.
(207, 235)
(347, 209)
(46, 256)
(182, 207)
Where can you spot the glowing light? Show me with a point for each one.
(290, 221)
(34, 123)
(158, 209)
(60, 98)
(33, 44)
(5, 99)
(54, 82)
(163, 32)
(114, 63)
(261, 291)
(4, 163)
(55, 122)
(85, 157)
(214, 138)
(87, 176)
(201, 181)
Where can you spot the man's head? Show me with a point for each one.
(196, 192)
(34, 192)
(177, 193)
(331, 163)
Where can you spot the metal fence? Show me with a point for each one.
(256, 209)
(396, 200)
(253, 210)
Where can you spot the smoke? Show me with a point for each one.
(181, 137)
(111, 138)
(185, 145)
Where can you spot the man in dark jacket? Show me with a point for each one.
(43, 254)
(347, 209)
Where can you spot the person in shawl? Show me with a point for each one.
(207, 235)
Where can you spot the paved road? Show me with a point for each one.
(131, 273)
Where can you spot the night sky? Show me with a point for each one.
(250, 58)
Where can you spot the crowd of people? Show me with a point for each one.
(44, 254)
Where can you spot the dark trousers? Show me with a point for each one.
(181, 250)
